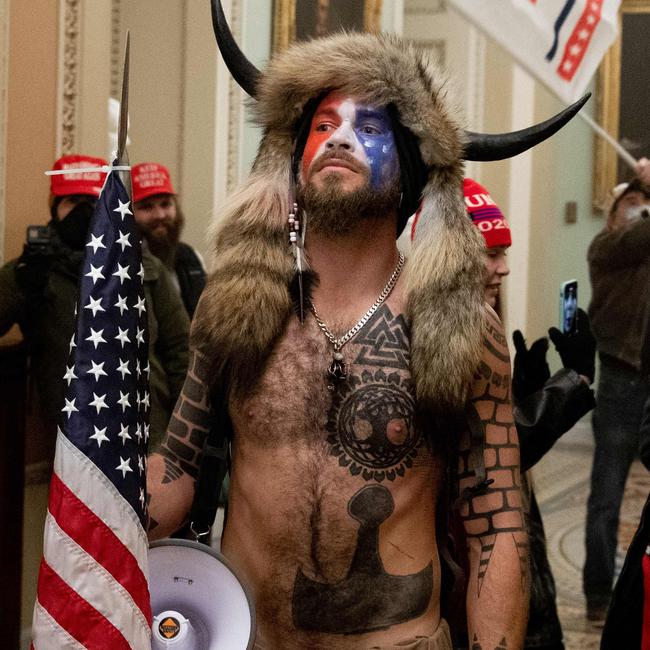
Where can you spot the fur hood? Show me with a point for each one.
(246, 302)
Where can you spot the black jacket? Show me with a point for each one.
(625, 616)
(544, 416)
(191, 276)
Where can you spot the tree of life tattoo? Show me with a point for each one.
(371, 421)
(496, 511)
(188, 426)
(368, 598)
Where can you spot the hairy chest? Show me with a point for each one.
(367, 419)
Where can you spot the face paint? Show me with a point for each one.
(360, 131)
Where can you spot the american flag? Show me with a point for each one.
(92, 585)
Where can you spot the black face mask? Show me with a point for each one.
(73, 228)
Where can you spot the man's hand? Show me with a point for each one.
(577, 350)
(530, 371)
(32, 270)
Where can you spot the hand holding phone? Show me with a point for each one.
(578, 349)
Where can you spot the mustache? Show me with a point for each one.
(343, 157)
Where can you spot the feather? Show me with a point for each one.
(300, 290)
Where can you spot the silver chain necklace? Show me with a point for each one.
(337, 371)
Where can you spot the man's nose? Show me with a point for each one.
(159, 213)
(342, 138)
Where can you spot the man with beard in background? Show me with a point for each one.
(159, 216)
(40, 290)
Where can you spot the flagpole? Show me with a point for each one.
(123, 124)
(620, 150)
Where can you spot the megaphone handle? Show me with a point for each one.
(199, 535)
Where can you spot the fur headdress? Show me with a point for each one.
(246, 302)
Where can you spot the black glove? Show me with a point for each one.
(530, 371)
(32, 269)
(577, 350)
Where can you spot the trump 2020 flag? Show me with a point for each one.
(92, 585)
(561, 42)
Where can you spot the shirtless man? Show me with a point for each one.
(337, 459)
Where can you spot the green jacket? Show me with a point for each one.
(48, 322)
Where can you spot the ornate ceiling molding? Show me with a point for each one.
(68, 95)
(235, 96)
(4, 81)
(117, 48)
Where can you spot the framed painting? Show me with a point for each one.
(623, 100)
(304, 19)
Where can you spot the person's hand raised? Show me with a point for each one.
(577, 350)
(530, 371)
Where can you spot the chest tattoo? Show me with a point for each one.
(384, 341)
(370, 425)
(368, 598)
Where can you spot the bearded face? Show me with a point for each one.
(160, 221)
(350, 167)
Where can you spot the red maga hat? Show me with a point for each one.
(78, 182)
(148, 179)
(486, 215)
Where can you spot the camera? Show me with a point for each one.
(39, 240)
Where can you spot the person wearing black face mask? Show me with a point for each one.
(39, 291)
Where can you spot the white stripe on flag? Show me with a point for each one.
(82, 477)
(94, 584)
(50, 635)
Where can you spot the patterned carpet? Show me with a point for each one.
(561, 482)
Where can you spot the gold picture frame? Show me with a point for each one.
(286, 30)
(606, 174)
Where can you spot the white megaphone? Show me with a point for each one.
(197, 601)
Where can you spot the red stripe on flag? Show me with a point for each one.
(79, 619)
(99, 541)
(576, 46)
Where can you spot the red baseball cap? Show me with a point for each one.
(90, 183)
(486, 215)
(148, 179)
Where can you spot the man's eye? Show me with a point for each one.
(369, 129)
(323, 127)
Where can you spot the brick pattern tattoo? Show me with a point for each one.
(498, 509)
(189, 424)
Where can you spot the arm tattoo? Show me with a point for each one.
(498, 509)
(189, 424)
(476, 645)
(151, 523)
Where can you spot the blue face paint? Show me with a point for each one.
(373, 129)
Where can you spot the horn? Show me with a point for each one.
(242, 70)
(497, 146)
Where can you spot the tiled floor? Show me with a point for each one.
(561, 482)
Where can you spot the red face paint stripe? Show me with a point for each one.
(327, 109)
(98, 540)
(83, 622)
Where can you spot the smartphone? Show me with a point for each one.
(569, 306)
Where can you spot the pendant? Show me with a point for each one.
(336, 373)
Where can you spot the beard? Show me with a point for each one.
(163, 242)
(332, 211)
